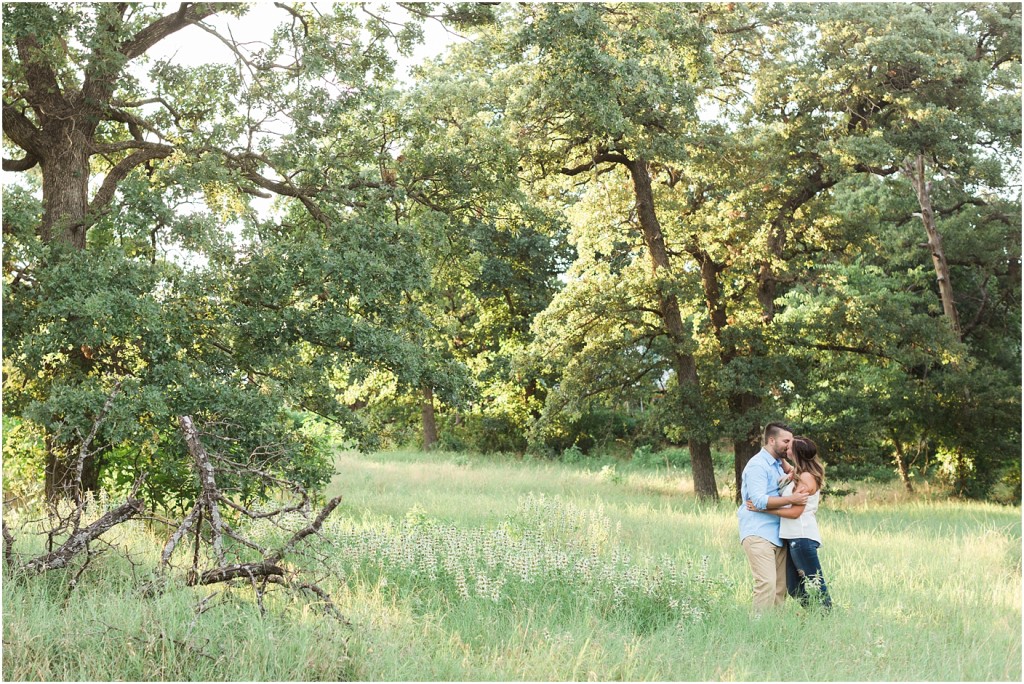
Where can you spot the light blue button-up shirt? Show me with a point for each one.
(760, 480)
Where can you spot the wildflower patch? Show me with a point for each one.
(548, 551)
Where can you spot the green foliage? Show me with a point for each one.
(572, 455)
(24, 457)
(476, 236)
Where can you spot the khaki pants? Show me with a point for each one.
(768, 563)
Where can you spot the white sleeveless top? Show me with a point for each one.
(804, 527)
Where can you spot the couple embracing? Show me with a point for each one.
(781, 487)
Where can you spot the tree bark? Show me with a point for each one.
(210, 497)
(65, 169)
(429, 420)
(684, 364)
(923, 188)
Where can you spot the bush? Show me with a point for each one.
(573, 455)
(482, 433)
(609, 473)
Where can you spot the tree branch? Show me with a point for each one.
(186, 524)
(236, 50)
(188, 13)
(78, 541)
(8, 547)
(123, 168)
(44, 93)
(230, 572)
(21, 130)
(29, 161)
(210, 494)
(313, 528)
(599, 158)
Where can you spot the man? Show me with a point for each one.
(759, 532)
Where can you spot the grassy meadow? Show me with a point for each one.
(456, 567)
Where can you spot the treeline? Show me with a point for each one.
(583, 227)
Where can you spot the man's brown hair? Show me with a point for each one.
(772, 429)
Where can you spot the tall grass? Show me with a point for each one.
(452, 567)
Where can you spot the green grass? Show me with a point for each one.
(925, 589)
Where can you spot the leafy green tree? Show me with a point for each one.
(935, 95)
(590, 88)
(164, 281)
(494, 255)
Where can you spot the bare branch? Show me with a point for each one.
(8, 547)
(188, 13)
(236, 49)
(329, 606)
(179, 533)
(230, 572)
(313, 528)
(210, 494)
(78, 541)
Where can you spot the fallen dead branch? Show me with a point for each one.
(207, 512)
(206, 524)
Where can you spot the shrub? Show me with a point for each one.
(573, 455)
(609, 473)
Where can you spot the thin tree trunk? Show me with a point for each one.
(61, 473)
(429, 421)
(530, 393)
(901, 462)
(683, 363)
(923, 188)
(59, 481)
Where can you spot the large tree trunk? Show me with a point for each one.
(429, 421)
(684, 364)
(923, 188)
(65, 167)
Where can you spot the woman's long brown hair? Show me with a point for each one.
(806, 453)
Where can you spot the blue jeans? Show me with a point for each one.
(803, 569)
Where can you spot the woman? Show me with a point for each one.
(798, 527)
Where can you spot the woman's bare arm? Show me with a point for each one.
(806, 486)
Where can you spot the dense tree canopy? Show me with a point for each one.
(584, 224)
